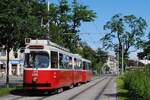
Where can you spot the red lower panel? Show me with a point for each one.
(52, 79)
(83, 76)
(86, 75)
(47, 79)
(77, 76)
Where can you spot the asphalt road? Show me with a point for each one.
(103, 88)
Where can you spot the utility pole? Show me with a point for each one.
(47, 24)
(137, 63)
(122, 68)
(48, 34)
(48, 16)
(118, 61)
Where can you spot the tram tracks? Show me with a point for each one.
(103, 89)
(17, 98)
(46, 97)
(81, 92)
(84, 90)
(43, 97)
(98, 95)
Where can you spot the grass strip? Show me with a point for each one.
(122, 93)
(5, 91)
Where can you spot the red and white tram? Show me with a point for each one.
(48, 66)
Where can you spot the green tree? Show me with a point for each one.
(124, 31)
(98, 57)
(64, 22)
(101, 55)
(16, 23)
(23, 18)
(80, 13)
(145, 54)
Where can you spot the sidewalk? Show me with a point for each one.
(13, 80)
(110, 92)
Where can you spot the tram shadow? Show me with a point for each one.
(22, 92)
(111, 95)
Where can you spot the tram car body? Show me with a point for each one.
(86, 71)
(48, 66)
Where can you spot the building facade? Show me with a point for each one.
(15, 62)
(111, 65)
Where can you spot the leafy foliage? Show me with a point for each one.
(98, 57)
(64, 22)
(124, 32)
(146, 50)
(28, 18)
(17, 21)
(138, 83)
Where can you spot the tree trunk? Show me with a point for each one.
(7, 76)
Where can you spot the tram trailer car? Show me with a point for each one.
(86, 71)
(49, 66)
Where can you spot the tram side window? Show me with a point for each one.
(54, 59)
(61, 63)
(84, 65)
(87, 66)
(69, 63)
(90, 66)
(65, 61)
(77, 64)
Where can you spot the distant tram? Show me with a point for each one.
(48, 66)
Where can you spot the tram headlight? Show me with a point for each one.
(34, 79)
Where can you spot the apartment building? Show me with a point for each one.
(15, 62)
(111, 65)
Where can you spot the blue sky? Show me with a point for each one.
(105, 9)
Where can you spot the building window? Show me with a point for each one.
(2, 52)
(15, 54)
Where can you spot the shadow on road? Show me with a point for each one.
(32, 93)
(123, 95)
(111, 95)
(23, 92)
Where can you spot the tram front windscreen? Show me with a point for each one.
(37, 59)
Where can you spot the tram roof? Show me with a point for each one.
(83, 59)
(46, 43)
(54, 46)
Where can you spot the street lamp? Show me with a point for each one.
(122, 65)
(118, 59)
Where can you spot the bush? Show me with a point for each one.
(138, 83)
(122, 93)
